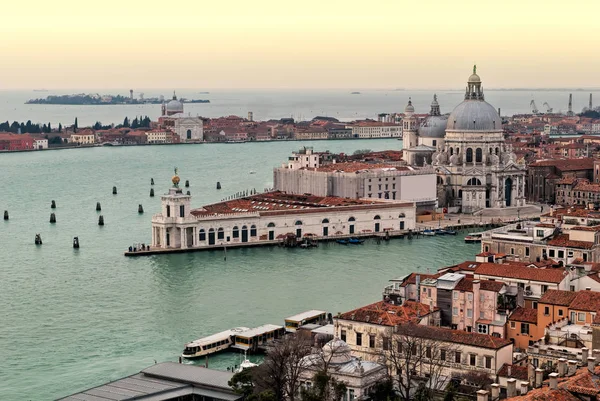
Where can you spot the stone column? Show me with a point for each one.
(183, 243)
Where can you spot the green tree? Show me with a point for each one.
(59, 127)
(49, 128)
(450, 393)
(75, 126)
(126, 122)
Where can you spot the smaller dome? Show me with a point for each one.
(433, 127)
(474, 78)
(337, 351)
(409, 107)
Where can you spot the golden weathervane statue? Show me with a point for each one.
(175, 179)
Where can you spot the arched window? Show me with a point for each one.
(202, 236)
(351, 219)
(189, 134)
(253, 230)
(325, 221)
(478, 155)
(474, 181)
(298, 223)
(235, 232)
(457, 151)
(460, 193)
(440, 180)
(451, 151)
(377, 217)
(491, 151)
(497, 151)
(220, 233)
(469, 155)
(271, 225)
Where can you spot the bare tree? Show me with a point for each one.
(281, 369)
(417, 360)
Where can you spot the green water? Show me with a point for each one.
(73, 319)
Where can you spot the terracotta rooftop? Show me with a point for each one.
(581, 386)
(453, 336)
(488, 285)
(586, 301)
(412, 278)
(564, 241)
(386, 314)
(280, 201)
(586, 163)
(353, 167)
(558, 297)
(527, 315)
(517, 270)
(466, 284)
(516, 371)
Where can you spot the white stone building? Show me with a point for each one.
(475, 168)
(40, 143)
(359, 376)
(189, 129)
(304, 174)
(375, 129)
(154, 137)
(269, 217)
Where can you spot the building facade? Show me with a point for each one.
(189, 129)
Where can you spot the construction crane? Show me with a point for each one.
(534, 108)
(548, 108)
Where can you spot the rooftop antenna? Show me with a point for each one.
(570, 112)
(590, 106)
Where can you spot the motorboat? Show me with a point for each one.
(428, 232)
(246, 364)
(473, 238)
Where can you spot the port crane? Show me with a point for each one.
(534, 108)
(548, 108)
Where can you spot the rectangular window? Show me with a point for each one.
(481, 314)
(343, 335)
(371, 341)
(581, 316)
(561, 254)
(428, 352)
(351, 395)
(443, 354)
(399, 347)
(469, 313)
(551, 253)
(546, 311)
(513, 325)
(539, 233)
(168, 211)
(526, 251)
(455, 294)
(570, 254)
(488, 362)
(481, 297)
(470, 296)
(457, 357)
(454, 311)
(544, 289)
(386, 343)
(182, 211)
(359, 339)
(221, 234)
(525, 328)
(472, 359)
(560, 312)
(512, 251)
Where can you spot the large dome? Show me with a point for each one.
(174, 106)
(474, 115)
(433, 127)
(337, 351)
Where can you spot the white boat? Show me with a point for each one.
(473, 238)
(246, 364)
(428, 232)
(312, 316)
(211, 344)
(252, 172)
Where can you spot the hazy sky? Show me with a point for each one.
(298, 44)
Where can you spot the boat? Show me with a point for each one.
(355, 93)
(451, 232)
(311, 316)
(251, 340)
(252, 172)
(38, 239)
(342, 241)
(211, 344)
(246, 364)
(473, 238)
(428, 232)
(440, 231)
(356, 241)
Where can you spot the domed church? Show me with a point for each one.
(475, 168)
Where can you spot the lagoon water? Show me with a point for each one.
(275, 104)
(72, 319)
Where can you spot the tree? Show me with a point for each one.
(417, 360)
(126, 122)
(384, 391)
(75, 126)
(49, 128)
(326, 388)
(478, 379)
(361, 152)
(59, 127)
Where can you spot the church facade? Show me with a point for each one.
(475, 168)
(188, 128)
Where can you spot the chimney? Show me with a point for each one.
(562, 367)
(585, 353)
(495, 391)
(588, 288)
(553, 381)
(596, 354)
(509, 370)
(539, 377)
(511, 387)
(591, 361)
(524, 387)
(571, 367)
(482, 395)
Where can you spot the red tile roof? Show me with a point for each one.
(558, 297)
(516, 371)
(488, 285)
(517, 270)
(386, 314)
(412, 278)
(453, 336)
(586, 301)
(527, 315)
(564, 241)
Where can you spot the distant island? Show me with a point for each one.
(95, 100)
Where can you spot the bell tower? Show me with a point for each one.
(409, 131)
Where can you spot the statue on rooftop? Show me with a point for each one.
(175, 180)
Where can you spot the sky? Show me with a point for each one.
(428, 44)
